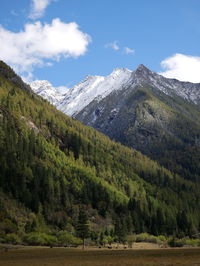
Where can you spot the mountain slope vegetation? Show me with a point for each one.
(51, 166)
(153, 119)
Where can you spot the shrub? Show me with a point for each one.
(145, 237)
(12, 239)
(7, 226)
(174, 242)
(130, 240)
(192, 242)
(65, 238)
(36, 238)
(162, 238)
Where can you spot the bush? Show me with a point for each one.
(130, 240)
(174, 242)
(12, 239)
(192, 242)
(162, 238)
(36, 238)
(8, 227)
(67, 239)
(145, 237)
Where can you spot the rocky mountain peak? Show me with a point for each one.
(73, 100)
(142, 67)
(45, 89)
(120, 71)
(142, 71)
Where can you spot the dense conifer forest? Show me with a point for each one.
(52, 166)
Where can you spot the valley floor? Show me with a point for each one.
(43, 256)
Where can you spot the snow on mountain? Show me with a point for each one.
(93, 87)
(72, 101)
(142, 76)
(45, 89)
(187, 90)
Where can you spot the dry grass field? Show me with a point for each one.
(41, 256)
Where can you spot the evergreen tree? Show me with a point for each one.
(82, 227)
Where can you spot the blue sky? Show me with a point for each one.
(106, 34)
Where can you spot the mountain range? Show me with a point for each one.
(52, 166)
(98, 87)
(141, 109)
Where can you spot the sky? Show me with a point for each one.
(63, 41)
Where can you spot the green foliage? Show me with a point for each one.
(36, 238)
(12, 239)
(145, 237)
(67, 239)
(165, 128)
(82, 227)
(50, 164)
(177, 242)
(7, 226)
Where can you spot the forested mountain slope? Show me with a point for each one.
(159, 117)
(50, 165)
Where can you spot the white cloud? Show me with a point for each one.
(38, 8)
(38, 43)
(112, 45)
(182, 67)
(128, 50)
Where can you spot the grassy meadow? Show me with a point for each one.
(41, 256)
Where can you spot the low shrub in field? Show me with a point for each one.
(175, 242)
(36, 238)
(145, 237)
(67, 239)
(130, 240)
(162, 239)
(192, 242)
(12, 239)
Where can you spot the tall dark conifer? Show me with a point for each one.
(82, 227)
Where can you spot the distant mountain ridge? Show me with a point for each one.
(73, 100)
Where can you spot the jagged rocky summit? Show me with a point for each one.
(73, 100)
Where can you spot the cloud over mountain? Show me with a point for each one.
(39, 44)
(182, 67)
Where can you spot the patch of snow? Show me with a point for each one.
(74, 100)
(45, 89)
(93, 87)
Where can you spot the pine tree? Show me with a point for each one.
(82, 227)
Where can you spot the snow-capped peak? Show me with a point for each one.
(72, 101)
(120, 71)
(38, 85)
(93, 87)
(45, 89)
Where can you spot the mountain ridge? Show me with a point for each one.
(141, 109)
(99, 86)
(163, 126)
